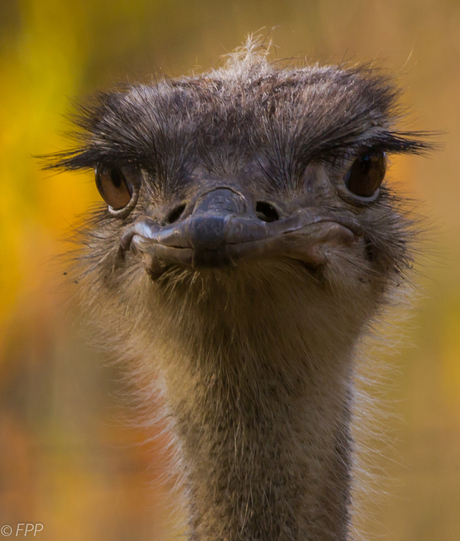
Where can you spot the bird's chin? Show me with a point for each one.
(310, 250)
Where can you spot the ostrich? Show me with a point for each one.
(247, 243)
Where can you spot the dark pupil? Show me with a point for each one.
(365, 163)
(116, 177)
(366, 174)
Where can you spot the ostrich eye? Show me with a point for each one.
(113, 187)
(366, 174)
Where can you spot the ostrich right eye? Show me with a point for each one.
(113, 187)
(366, 174)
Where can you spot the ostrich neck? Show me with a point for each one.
(262, 418)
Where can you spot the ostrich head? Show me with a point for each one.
(248, 240)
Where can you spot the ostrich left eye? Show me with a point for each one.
(366, 174)
(113, 187)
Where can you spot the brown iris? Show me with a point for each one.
(366, 174)
(113, 187)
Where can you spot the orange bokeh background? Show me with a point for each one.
(70, 458)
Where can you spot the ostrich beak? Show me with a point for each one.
(222, 227)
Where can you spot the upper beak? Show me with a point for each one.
(223, 227)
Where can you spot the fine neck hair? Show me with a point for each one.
(258, 372)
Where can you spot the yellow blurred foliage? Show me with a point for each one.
(60, 463)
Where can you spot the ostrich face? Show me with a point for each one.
(246, 171)
(218, 220)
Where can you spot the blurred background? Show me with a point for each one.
(69, 456)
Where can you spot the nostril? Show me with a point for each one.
(175, 214)
(266, 212)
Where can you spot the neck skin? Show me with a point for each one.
(261, 408)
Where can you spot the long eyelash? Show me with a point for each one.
(342, 148)
(85, 158)
(383, 141)
(401, 142)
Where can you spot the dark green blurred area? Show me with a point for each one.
(69, 457)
